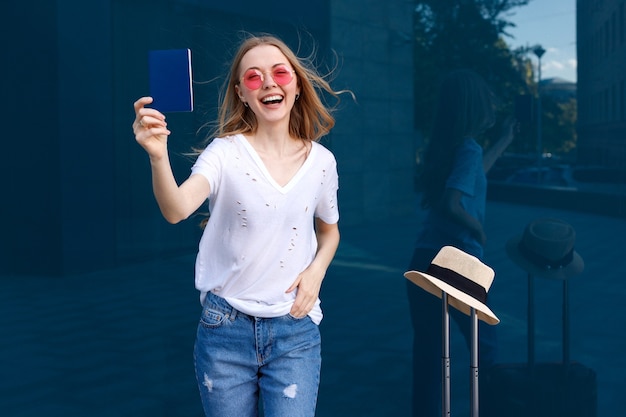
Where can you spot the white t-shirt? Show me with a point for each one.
(260, 235)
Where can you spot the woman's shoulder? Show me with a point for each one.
(469, 146)
(322, 151)
(228, 140)
(221, 148)
(470, 142)
(322, 156)
(223, 142)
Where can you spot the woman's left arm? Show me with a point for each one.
(493, 153)
(309, 282)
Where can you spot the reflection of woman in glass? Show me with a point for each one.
(272, 233)
(454, 187)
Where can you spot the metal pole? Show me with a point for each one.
(539, 139)
(539, 51)
(531, 321)
(474, 364)
(445, 356)
(566, 358)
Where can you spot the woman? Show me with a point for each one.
(454, 188)
(271, 235)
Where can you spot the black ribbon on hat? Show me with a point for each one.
(544, 262)
(459, 282)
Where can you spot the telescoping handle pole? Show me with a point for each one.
(445, 356)
(474, 364)
(531, 322)
(566, 358)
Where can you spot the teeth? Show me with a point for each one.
(272, 98)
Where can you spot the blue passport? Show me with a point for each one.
(171, 80)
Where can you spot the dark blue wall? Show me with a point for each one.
(79, 192)
(31, 172)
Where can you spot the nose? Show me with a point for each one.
(268, 80)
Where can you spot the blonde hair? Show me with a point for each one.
(310, 118)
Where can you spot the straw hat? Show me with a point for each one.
(463, 277)
(546, 249)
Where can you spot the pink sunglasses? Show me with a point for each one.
(254, 78)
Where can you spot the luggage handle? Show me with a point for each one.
(531, 321)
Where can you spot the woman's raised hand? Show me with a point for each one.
(510, 127)
(150, 129)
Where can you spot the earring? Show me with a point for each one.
(297, 97)
(245, 103)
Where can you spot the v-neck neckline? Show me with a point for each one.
(293, 180)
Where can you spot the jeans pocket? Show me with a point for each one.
(212, 317)
(294, 318)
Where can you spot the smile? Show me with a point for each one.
(273, 99)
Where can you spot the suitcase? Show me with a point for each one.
(545, 389)
(538, 389)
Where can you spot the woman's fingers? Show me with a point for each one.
(308, 291)
(150, 128)
(146, 117)
(150, 121)
(141, 103)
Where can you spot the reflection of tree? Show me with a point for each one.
(453, 34)
(559, 125)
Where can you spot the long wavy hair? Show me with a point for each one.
(310, 118)
(465, 108)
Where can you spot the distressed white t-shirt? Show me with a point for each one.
(260, 235)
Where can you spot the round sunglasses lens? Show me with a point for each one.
(282, 76)
(253, 79)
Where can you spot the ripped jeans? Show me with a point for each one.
(240, 359)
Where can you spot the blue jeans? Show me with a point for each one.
(240, 359)
(426, 319)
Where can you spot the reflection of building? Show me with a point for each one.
(601, 41)
(558, 89)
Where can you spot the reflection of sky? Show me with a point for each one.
(553, 25)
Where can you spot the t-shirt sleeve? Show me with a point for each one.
(468, 163)
(327, 209)
(209, 163)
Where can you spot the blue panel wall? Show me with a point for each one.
(30, 231)
(79, 195)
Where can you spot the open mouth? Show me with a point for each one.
(273, 99)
